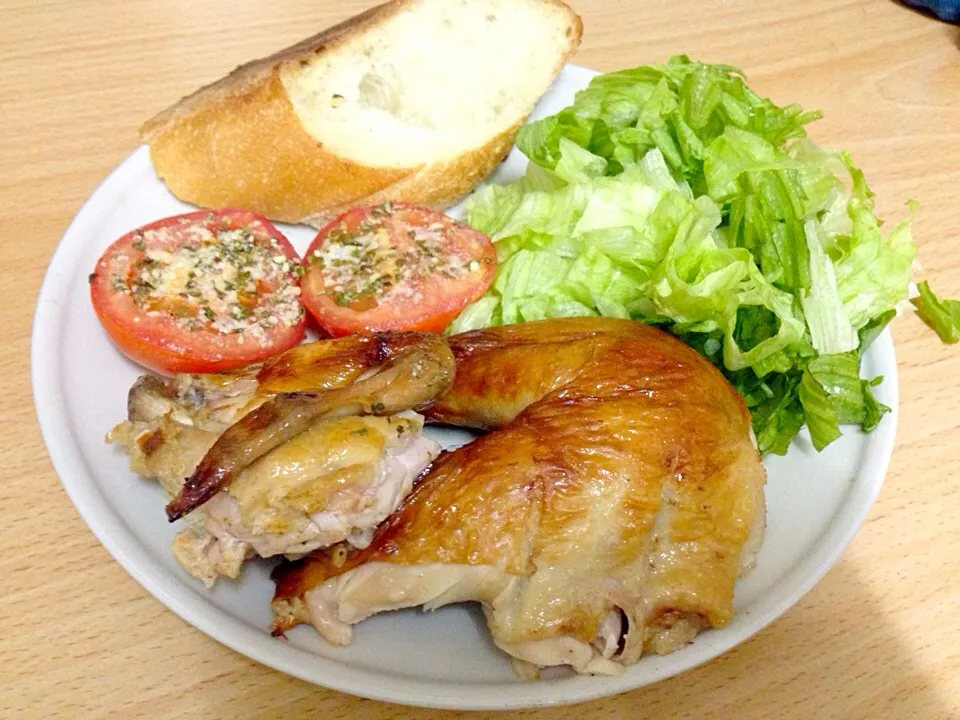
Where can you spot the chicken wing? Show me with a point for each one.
(314, 448)
(608, 513)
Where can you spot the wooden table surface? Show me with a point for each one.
(879, 637)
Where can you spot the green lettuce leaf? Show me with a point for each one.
(850, 396)
(826, 316)
(674, 195)
(818, 410)
(943, 316)
(777, 413)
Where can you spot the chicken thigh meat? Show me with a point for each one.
(330, 476)
(608, 513)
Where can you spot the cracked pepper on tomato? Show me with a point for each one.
(201, 292)
(394, 267)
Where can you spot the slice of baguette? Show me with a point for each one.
(414, 100)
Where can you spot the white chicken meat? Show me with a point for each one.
(333, 482)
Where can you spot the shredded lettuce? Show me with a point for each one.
(941, 315)
(675, 195)
(833, 394)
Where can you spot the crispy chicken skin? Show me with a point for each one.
(410, 374)
(607, 514)
(330, 473)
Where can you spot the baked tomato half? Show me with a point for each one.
(201, 292)
(394, 267)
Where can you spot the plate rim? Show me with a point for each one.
(192, 607)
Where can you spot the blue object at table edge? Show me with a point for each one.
(947, 10)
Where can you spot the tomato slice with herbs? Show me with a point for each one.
(395, 267)
(201, 292)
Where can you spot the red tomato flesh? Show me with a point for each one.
(201, 292)
(394, 267)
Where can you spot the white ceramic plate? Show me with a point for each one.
(816, 502)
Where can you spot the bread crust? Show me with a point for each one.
(238, 142)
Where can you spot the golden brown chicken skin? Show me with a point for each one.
(410, 375)
(617, 490)
(314, 447)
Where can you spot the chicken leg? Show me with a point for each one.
(609, 512)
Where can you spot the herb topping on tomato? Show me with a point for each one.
(200, 292)
(395, 266)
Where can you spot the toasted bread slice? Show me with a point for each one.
(414, 100)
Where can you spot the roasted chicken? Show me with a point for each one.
(314, 448)
(608, 512)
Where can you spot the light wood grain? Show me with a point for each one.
(879, 637)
